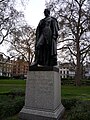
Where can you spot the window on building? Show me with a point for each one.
(60, 72)
(64, 71)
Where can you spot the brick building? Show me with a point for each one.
(20, 68)
(13, 68)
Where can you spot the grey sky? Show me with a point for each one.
(34, 11)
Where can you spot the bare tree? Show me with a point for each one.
(74, 34)
(10, 19)
(8, 15)
(22, 43)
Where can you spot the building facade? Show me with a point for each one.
(13, 68)
(20, 68)
(6, 66)
(87, 70)
(66, 70)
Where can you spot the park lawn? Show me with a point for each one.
(12, 81)
(67, 91)
(79, 92)
(8, 85)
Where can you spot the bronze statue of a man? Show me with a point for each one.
(46, 41)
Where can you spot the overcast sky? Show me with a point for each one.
(34, 12)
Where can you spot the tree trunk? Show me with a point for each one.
(78, 66)
(78, 73)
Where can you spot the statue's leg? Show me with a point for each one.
(47, 52)
(53, 60)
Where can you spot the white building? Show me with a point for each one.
(66, 70)
(87, 70)
(5, 66)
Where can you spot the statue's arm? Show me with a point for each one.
(55, 28)
(38, 30)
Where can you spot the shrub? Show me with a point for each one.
(5, 77)
(69, 103)
(15, 92)
(67, 81)
(80, 112)
(11, 103)
(11, 106)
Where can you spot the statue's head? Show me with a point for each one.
(46, 12)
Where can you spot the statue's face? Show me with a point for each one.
(46, 12)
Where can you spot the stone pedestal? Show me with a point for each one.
(43, 95)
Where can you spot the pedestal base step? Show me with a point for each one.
(30, 114)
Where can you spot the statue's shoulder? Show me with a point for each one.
(42, 20)
(54, 19)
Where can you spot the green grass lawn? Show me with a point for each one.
(7, 85)
(80, 92)
(12, 81)
(68, 91)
